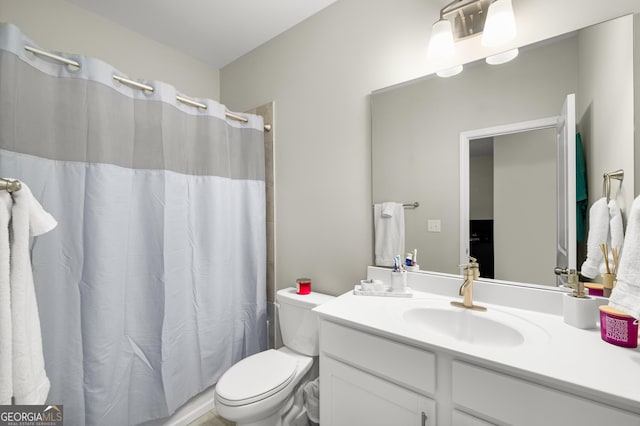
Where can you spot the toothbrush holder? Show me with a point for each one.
(580, 312)
(399, 281)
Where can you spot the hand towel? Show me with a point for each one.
(598, 234)
(616, 230)
(6, 380)
(389, 233)
(625, 296)
(28, 219)
(388, 208)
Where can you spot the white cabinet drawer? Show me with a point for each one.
(396, 362)
(519, 402)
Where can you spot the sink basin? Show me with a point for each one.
(490, 328)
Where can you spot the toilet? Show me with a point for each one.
(265, 389)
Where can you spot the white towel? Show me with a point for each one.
(389, 233)
(388, 208)
(28, 219)
(6, 380)
(625, 296)
(616, 231)
(598, 234)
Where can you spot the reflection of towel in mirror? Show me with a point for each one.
(625, 296)
(582, 198)
(389, 233)
(598, 234)
(388, 208)
(616, 232)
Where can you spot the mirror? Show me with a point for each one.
(500, 162)
(417, 126)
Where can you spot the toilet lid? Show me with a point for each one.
(256, 377)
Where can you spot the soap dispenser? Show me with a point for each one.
(579, 310)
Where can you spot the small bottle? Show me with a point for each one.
(408, 261)
(412, 261)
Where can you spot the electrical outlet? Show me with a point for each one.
(433, 225)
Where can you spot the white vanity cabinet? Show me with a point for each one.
(510, 400)
(369, 379)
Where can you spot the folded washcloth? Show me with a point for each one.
(389, 233)
(625, 296)
(388, 208)
(598, 234)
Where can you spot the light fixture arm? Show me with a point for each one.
(456, 6)
(467, 17)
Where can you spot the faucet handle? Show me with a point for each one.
(473, 263)
(573, 280)
(473, 266)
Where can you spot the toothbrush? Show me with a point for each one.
(415, 257)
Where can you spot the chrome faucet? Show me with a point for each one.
(471, 272)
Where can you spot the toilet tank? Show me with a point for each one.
(298, 323)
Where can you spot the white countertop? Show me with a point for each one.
(559, 355)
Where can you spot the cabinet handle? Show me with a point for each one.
(424, 418)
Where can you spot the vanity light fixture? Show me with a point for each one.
(441, 42)
(462, 19)
(500, 26)
(450, 72)
(502, 58)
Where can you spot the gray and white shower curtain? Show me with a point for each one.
(153, 283)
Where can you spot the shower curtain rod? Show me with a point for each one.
(10, 185)
(135, 84)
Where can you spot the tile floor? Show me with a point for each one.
(211, 419)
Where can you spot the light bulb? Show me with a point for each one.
(500, 26)
(441, 41)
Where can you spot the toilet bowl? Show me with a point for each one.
(265, 389)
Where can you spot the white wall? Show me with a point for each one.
(320, 74)
(56, 25)
(481, 187)
(605, 107)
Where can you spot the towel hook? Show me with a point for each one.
(10, 185)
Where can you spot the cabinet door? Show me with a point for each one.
(519, 402)
(349, 396)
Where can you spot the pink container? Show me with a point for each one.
(618, 328)
(595, 289)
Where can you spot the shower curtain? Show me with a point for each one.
(153, 283)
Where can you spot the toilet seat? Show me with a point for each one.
(256, 377)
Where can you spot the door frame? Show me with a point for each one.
(465, 138)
